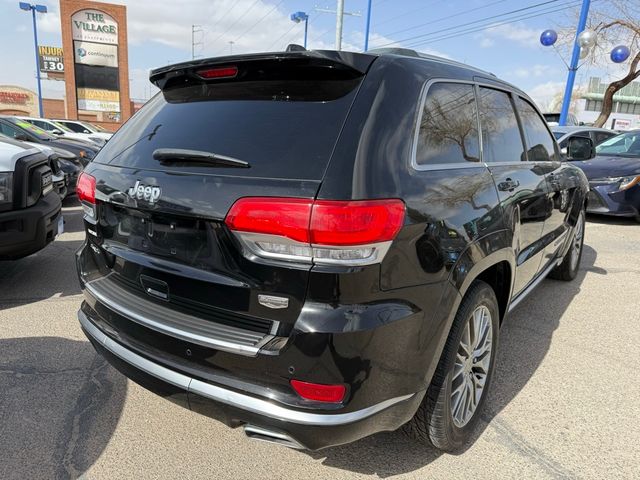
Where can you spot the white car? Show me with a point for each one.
(78, 126)
(56, 128)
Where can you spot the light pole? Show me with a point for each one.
(40, 9)
(366, 31)
(573, 67)
(301, 17)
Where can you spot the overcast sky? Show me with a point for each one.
(160, 33)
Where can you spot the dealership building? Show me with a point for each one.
(92, 62)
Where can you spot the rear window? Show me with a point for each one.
(285, 125)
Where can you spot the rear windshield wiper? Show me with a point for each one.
(168, 155)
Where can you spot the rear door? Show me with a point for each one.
(520, 184)
(161, 220)
(541, 150)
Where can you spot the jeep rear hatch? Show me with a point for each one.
(280, 113)
(219, 130)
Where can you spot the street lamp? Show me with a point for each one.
(301, 17)
(40, 9)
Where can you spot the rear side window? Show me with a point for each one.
(284, 123)
(600, 137)
(449, 126)
(501, 139)
(9, 131)
(540, 142)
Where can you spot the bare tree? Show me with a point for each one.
(615, 22)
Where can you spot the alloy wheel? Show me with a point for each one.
(576, 245)
(471, 367)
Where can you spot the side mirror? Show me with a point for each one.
(580, 148)
(57, 132)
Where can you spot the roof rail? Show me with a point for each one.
(408, 52)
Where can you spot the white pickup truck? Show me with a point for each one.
(30, 209)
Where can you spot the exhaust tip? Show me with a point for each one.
(264, 435)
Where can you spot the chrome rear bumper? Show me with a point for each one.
(232, 398)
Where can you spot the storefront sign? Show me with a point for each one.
(99, 54)
(14, 98)
(50, 59)
(97, 100)
(94, 26)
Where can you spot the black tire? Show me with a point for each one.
(569, 267)
(433, 423)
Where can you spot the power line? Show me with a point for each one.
(387, 20)
(224, 15)
(261, 19)
(493, 24)
(282, 36)
(242, 14)
(491, 17)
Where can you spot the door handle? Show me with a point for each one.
(508, 185)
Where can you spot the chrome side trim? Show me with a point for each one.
(230, 397)
(524, 293)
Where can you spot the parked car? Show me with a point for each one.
(597, 135)
(58, 129)
(318, 246)
(614, 176)
(553, 119)
(86, 128)
(24, 131)
(30, 215)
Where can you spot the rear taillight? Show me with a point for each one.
(319, 392)
(86, 191)
(322, 231)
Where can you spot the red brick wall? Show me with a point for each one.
(119, 13)
(53, 108)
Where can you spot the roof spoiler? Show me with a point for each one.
(359, 62)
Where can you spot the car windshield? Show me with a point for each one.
(92, 127)
(62, 127)
(623, 145)
(35, 131)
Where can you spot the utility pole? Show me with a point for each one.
(195, 29)
(231, 42)
(339, 18)
(340, 13)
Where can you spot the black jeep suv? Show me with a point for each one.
(320, 245)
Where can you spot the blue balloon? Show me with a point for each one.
(548, 38)
(620, 54)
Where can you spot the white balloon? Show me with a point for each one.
(587, 38)
(584, 52)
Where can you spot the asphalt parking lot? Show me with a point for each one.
(564, 403)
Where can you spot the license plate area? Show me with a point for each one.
(182, 239)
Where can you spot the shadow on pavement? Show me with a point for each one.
(59, 406)
(525, 338)
(51, 272)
